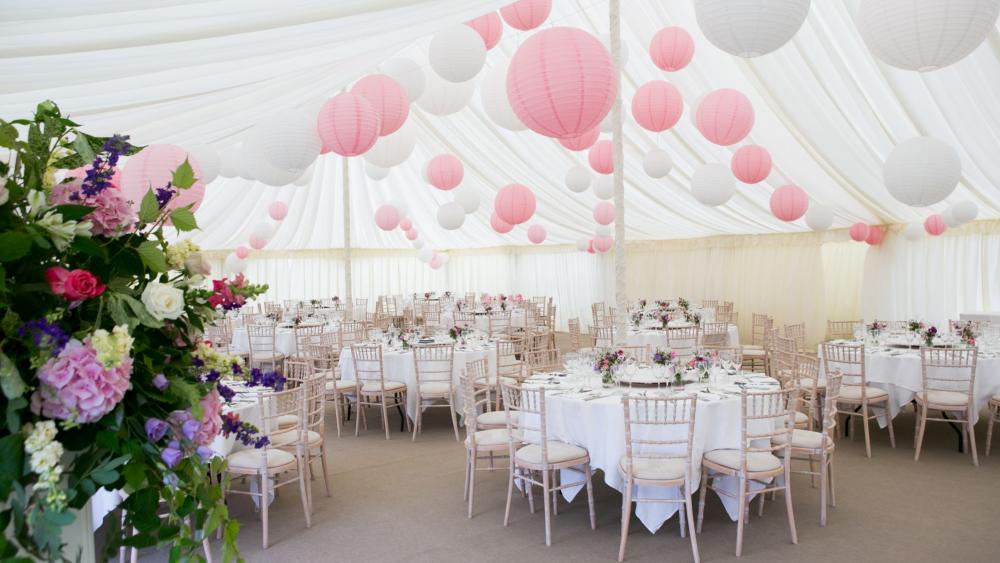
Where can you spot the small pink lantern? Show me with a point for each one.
(348, 124)
(600, 157)
(257, 243)
(671, 48)
(789, 203)
(411, 234)
(389, 99)
(590, 247)
(604, 213)
(406, 224)
(859, 232)
(561, 82)
(526, 14)
(603, 244)
(436, 261)
(153, 168)
(725, 117)
(875, 236)
(657, 106)
(583, 142)
(751, 164)
(489, 27)
(242, 252)
(536, 234)
(445, 171)
(514, 204)
(387, 217)
(935, 225)
(499, 225)
(278, 210)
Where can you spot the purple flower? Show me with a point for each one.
(164, 195)
(190, 428)
(197, 362)
(271, 379)
(205, 453)
(99, 175)
(237, 370)
(171, 455)
(44, 334)
(212, 375)
(160, 381)
(155, 429)
(226, 393)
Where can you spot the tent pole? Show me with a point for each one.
(618, 156)
(349, 290)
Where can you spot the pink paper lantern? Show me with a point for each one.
(725, 117)
(859, 232)
(387, 217)
(875, 236)
(789, 203)
(604, 213)
(278, 210)
(603, 244)
(257, 243)
(935, 225)
(348, 124)
(583, 142)
(437, 261)
(411, 234)
(600, 157)
(561, 82)
(671, 48)
(445, 171)
(489, 27)
(751, 164)
(526, 14)
(499, 225)
(153, 168)
(514, 204)
(536, 234)
(590, 247)
(242, 252)
(657, 106)
(389, 99)
(406, 224)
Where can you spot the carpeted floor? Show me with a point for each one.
(398, 500)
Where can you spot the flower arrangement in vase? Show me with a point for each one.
(929, 335)
(637, 318)
(914, 326)
(875, 328)
(966, 331)
(456, 332)
(692, 317)
(606, 364)
(664, 317)
(682, 304)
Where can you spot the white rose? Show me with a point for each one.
(163, 301)
(4, 193)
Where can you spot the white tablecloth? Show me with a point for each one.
(658, 338)
(988, 316)
(517, 319)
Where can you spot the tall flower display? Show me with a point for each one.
(105, 380)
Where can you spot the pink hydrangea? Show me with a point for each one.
(211, 418)
(112, 212)
(76, 386)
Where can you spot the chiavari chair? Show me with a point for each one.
(797, 332)
(498, 322)
(684, 341)
(949, 387)
(842, 330)
(262, 346)
(490, 439)
(994, 408)
(433, 365)
(855, 393)
(313, 430)
(373, 390)
(715, 334)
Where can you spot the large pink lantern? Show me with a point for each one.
(751, 164)
(389, 99)
(154, 168)
(725, 117)
(859, 232)
(489, 27)
(514, 204)
(405, 224)
(561, 82)
(526, 14)
(278, 210)
(257, 243)
(536, 234)
(935, 225)
(789, 203)
(411, 234)
(348, 124)
(603, 244)
(445, 171)
(499, 225)
(600, 157)
(671, 48)
(583, 142)
(242, 252)
(387, 217)
(657, 105)
(875, 236)
(604, 213)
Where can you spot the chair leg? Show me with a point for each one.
(989, 430)
(590, 496)
(555, 493)
(510, 493)
(472, 479)
(418, 419)
(788, 505)
(454, 419)
(530, 487)
(263, 507)
(829, 476)
(920, 433)
(465, 488)
(888, 420)
(741, 522)
(385, 417)
(337, 412)
(306, 496)
(864, 422)
(760, 505)
(823, 479)
(326, 472)
(546, 500)
(972, 439)
(701, 497)
(689, 513)
(626, 517)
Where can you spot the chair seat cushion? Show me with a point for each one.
(756, 461)
(558, 453)
(287, 420)
(806, 383)
(947, 398)
(250, 459)
(801, 418)
(372, 388)
(752, 347)
(340, 385)
(853, 392)
(268, 357)
(654, 468)
(805, 439)
(996, 398)
(497, 418)
(491, 437)
(435, 388)
(288, 437)
(753, 352)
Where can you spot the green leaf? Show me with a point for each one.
(183, 219)
(8, 135)
(152, 256)
(135, 475)
(90, 247)
(10, 378)
(73, 212)
(183, 177)
(14, 245)
(11, 461)
(83, 148)
(149, 209)
(13, 418)
(140, 312)
(104, 477)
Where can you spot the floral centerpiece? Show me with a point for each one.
(914, 326)
(662, 304)
(427, 295)
(682, 304)
(929, 335)
(875, 328)
(231, 295)
(637, 318)
(503, 301)
(701, 363)
(642, 303)
(518, 298)
(605, 365)
(966, 332)
(664, 317)
(405, 336)
(456, 332)
(105, 381)
(662, 358)
(692, 317)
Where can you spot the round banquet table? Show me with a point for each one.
(284, 340)
(658, 338)
(482, 320)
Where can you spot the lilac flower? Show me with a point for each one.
(211, 376)
(155, 429)
(171, 455)
(44, 334)
(244, 432)
(190, 428)
(160, 381)
(197, 362)
(226, 393)
(205, 453)
(237, 370)
(271, 379)
(164, 195)
(98, 176)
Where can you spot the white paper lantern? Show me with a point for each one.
(425, 254)
(657, 163)
(451, 215)
(306, 178)
(922, 171)
(401, 207)
(750, 28)
(208, 159)
(925, 34)
(233, 265)
(964, 212)
(407, 73)
(602, 231)
(949, 219)
(263, 230)
(583, 244)
(493, 94)
(444, 98)
(467, 197)
(713, 184)
(289, 140)
(604, 186)
(819, 217)
(229, 159)
(457, 53)
(417, 243)
(253, 166)
(393, 149)
(578, 179)
(375, 172)
(606, 39)
(914, 231)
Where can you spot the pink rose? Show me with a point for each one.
(74, 285)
